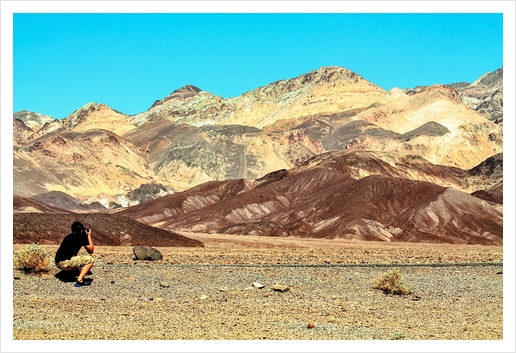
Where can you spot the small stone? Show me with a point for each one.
(203, 296)
(310, 325)
(258, 285)
(164, 284)
(280, 287)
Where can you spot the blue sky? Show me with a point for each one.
(127, 61)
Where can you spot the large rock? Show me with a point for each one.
(144, 252)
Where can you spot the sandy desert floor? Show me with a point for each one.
(208, 293)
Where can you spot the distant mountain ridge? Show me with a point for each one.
(284, 159)
(331, 100)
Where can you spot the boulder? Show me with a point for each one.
(144, 252)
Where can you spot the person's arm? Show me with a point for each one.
(90, 246)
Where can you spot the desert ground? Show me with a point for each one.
(212, 293)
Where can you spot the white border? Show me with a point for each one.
(9, 7)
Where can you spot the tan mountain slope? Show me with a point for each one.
(81, 164)
(33, 120)
(21, 133)
(328, 90)
(93, 116)
(193, 155)
(26, 126)
(433, 124)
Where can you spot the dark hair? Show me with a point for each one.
(77, 226)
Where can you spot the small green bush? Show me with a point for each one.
(392, 282)
(396, 336)
(32, 259)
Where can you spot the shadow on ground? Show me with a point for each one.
(69, 276)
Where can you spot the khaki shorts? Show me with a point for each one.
(75, 262)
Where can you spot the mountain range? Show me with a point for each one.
(326, 154)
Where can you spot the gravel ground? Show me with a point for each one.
(208, 294)
(208, 302)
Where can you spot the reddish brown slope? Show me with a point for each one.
(27, 205)
(158, 211)
(324, 199)
(253, 205)
(106, 229)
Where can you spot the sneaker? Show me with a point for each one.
(82, 284)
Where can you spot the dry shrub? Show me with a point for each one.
(392, 282)
(32, 258)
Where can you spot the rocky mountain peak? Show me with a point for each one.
(184, 92)
(31, 119)
(485, 95)
(492, 80)
(324, 74)
(331, 73)
(97, 116)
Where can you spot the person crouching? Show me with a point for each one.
(66, 256)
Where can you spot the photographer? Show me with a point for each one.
(67, 258)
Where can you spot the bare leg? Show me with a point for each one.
(84, 271)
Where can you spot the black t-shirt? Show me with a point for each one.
(71, 245)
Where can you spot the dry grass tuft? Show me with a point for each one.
(32, 258)
(392, 282)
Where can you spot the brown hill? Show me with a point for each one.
(323, 199)
(106, 229)
(28, 205)
(493, 194)
(64, 201)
